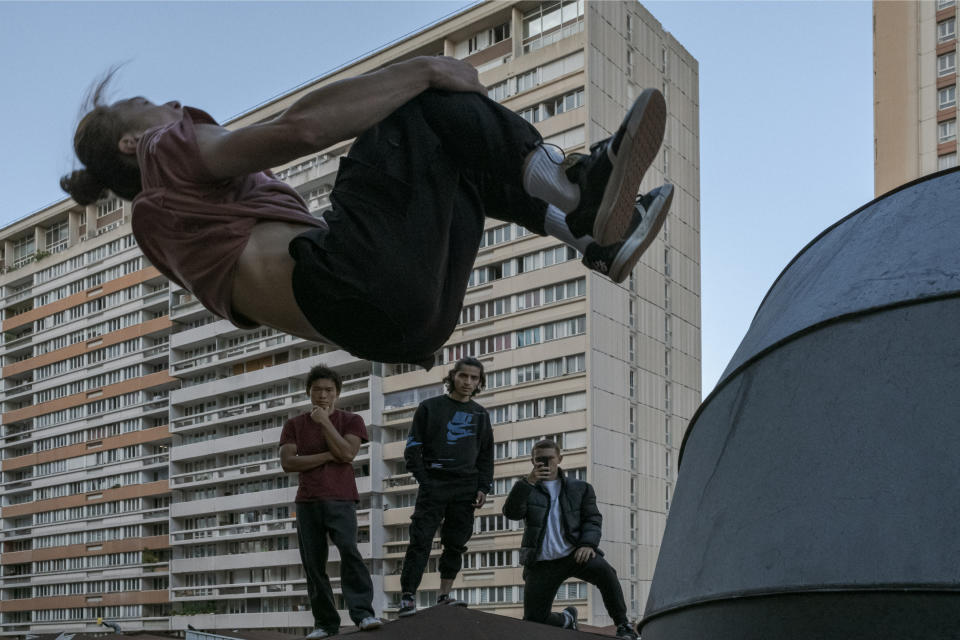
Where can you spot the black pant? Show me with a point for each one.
(387, 281)
(451, 502)
(542, 579)
(337, 519)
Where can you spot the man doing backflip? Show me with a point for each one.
(450, 453)
(561, 540)
(320, 446)
(383, 273)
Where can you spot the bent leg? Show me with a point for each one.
(597, 571)
(455, 533)
(541, 581)
(423, 525)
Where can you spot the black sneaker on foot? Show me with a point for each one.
(617, 260)
(610, 176)
(625, 631)
(408, 605)
(453, 602)
(570, 618)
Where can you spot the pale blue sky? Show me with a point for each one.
(786, 116)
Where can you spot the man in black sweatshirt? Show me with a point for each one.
(450, 453)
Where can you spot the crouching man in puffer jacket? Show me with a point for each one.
(560, 541)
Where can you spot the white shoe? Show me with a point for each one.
(370, 623)
(318, 633)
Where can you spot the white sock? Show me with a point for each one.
(544, 178)
(555, 223)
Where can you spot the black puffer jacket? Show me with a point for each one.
(579, 516)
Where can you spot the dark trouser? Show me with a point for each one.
(446, 500)
(542, 580)
(387, 281)
(337, 519)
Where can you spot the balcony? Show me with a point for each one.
(397, 483)
(244, 590)
(205, 506)
(229, 354)
(208, 476)
(233, 531)
(247, 410)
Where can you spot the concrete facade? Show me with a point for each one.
(915, 90)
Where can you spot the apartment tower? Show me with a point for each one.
(610, 371)
(914, 90)
(85, 519)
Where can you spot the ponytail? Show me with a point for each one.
(83, 186)
(95, 143)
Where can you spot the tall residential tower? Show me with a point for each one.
(914, 90)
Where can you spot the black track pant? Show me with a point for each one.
(542, 579)
(448, 501)
(337, 519)
(387, 281)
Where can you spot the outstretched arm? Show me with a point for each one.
(327, 115)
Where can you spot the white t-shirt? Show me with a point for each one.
(554, 544)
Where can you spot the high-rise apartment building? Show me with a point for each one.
(914, 90)
(85, 443)
(611, 371)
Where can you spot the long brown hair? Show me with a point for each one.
(95, 143)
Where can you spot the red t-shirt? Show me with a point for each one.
(334, 480)
(193, 227)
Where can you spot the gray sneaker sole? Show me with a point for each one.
(638, 242)
(645, 124)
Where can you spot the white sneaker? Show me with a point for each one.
(318, 633)
(370, 623)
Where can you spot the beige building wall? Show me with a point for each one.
(915, 86)
(611, 371)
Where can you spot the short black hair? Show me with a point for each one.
(460, 364)
(322, 372)
(546, 443)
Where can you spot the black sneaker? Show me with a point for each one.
(610, 176)
(625, 631)
(569, 618)
(617, 260)
(452, 602)
(408, 605)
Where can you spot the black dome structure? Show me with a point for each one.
(819, 487)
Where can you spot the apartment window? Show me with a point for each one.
(57, 234)
(550, 22)
(947, 97)
(107, 207)
(947, 161)
(943, 4)
(947, 30)
(23, 248)
(947, 131)
(946, 64)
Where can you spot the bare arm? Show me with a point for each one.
(291, 462)
(328, 115)
(343, 448)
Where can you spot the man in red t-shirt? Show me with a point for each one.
(320, 446)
